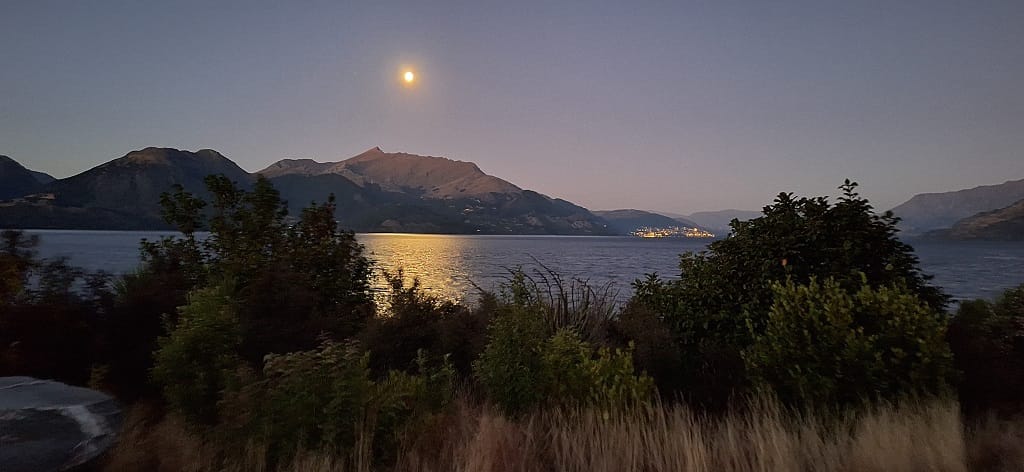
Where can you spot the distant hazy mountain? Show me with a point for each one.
(627, 221)
(930, 211)
(17, 181)
(1004, 224)
(375, 191)
(718, 221)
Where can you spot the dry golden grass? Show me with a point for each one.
(928, 436)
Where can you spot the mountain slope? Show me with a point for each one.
(17, 181)
(42, 177)
(429, 176)
(718, 221)
(121, 194)
(401, 192)
(132, 184)
(627, 221)
(931, 211)
(1004, 224)
(393, 192)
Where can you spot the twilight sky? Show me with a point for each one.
(676, 106)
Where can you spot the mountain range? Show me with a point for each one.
(718, 221)
(932, 211)
(626, 221)
(1004, 224)
(375, 191)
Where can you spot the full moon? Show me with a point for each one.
(408, 76)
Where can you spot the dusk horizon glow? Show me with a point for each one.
(664, 106)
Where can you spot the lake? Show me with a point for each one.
(451, 265)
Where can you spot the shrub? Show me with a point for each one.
(653, 346)
(987, 340)
(326, 400)
(724, 295)
(575, 374)
(825, 346)
(194, 362)
(524, 367)
(296, 279)
(509, 368)
(144, 304)
(412, 320)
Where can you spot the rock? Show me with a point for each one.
(49, 426)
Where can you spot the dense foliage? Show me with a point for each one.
(257, 326)
(195, 361)
(532, 359)
(723, 297)
(987, 340)
(825, 346)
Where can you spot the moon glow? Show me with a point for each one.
(409, 77)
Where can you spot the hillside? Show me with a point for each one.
(1004, 224)
(428, 176)
(375, 191)
(718, 221)
(627, 221)
(132, 184)
(401, 192)
(930, 211)
(17, 181)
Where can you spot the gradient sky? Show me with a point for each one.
(674, 106)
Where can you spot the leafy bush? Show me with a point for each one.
(196, 359)
(575, 374)
(825, 346)
(509, 369)
(145, 304)
(524, 366)
(987, 340)
(326, 400)
(296, 279)
(724, 295)
(653, 346)
(412, 320)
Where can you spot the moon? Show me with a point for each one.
(409, 77)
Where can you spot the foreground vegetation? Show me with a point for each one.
(808, 339)
(925, 436)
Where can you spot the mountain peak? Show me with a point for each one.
(429, 176)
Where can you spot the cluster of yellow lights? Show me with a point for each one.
(409, 77)
(672, 232)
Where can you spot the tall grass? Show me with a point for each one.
(923, 436)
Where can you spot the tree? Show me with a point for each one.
(295, 279)
(723, 296)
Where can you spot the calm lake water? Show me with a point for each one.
(451, 265)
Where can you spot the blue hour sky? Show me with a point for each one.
(674, 106)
